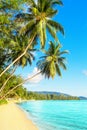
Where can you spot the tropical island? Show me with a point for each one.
(30, 34)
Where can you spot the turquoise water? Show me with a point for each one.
(57, 115)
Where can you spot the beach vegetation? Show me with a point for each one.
(4, 101)
(50, 63)
(25, 26)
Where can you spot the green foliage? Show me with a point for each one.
(15, 22)
(20, 43)
(39, 96)
(10, 4)
(38, 19)
(10, 84)
(3, 102)
(51, 62)
(21, 29)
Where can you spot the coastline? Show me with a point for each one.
(13, 118)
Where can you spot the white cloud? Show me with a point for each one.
(37, 78)
(85, 72)
(34, 53)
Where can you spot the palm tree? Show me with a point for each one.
(4, 84)
(52, 61)
(48, 65)
(19, 45)
(37, 21)
(18, 48)
(18, 85)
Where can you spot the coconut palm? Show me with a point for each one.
(18, 85)
(37, 21)
(17, 48)
(52, 61)
(48, 65)
(6, 81)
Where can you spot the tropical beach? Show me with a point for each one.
(13, 118)
(43, 66)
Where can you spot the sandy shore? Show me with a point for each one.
(13, 118)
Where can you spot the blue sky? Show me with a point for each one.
(73, 17)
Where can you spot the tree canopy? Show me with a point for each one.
(23, 25)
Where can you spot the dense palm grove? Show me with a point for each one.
(24, 24)
(45, 96)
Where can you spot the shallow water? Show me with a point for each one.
(57, 115)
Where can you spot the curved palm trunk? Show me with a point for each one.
(3, 86)
(19, 85)
(31, 40)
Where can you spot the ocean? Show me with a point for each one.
(57, 115)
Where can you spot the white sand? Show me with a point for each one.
(13, 118)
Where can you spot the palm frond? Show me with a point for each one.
(51, 49)
(59, 2)
(31, 2)
(57, 48)
(56, 25)
(51, 12)
(58, 70)
(52, 69)
(64, 52)
(35, 11)
(52, 61)
(41, 34)
(27, 27)
(44, 33)
(52, 31)
(63, 65)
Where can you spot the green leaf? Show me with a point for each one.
(58, 70)
(56, 25)
(52, 31)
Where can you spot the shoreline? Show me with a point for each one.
(12, 117)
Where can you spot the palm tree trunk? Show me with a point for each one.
(3, 86)
(19, 85)
(31, 40)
